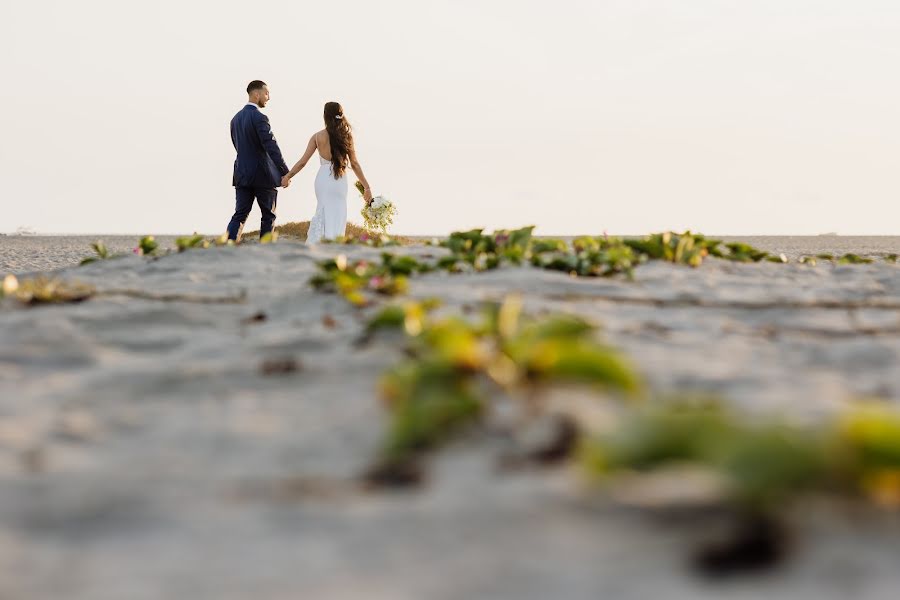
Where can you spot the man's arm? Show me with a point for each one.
(264, 131)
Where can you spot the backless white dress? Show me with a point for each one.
(330, 220)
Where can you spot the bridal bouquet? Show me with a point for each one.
(378, 214)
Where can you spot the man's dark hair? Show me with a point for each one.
(256, 84)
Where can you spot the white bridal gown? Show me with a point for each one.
(330, 220)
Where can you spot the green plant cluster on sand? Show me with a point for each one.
(357, 280)
(474, 251)
(455, 366)
(148, 246)
(849, 258)
(460, 371)
(762, 463)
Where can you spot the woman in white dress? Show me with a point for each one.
(336, 152)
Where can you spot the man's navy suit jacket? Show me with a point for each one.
(259, 163)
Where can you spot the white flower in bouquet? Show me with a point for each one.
(379, 213)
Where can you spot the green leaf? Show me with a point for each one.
(765, 464)
(390, 317)
(557, 327)
(576, 361)
(429, 401)
(853, 259)
(101, 250)
(189, 242)
(148, 245)
(542, 246)
(873, 434)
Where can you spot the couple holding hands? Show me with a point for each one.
(259, 168)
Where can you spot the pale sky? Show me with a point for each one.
(630, 116)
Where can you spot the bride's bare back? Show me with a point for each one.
(323, 144)
(320, 141)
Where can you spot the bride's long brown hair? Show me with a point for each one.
(340, 137)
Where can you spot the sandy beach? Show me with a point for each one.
(26, 254)
(146, 450)
(33, 253)
(673, 377)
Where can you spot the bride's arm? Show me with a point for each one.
(357, 169)
(310, 148)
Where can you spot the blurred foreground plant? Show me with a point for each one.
(455, 368)
(762, 463)
(45, 290)
(757, 469)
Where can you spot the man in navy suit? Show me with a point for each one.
(259, 166)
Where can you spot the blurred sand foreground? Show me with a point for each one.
(145, 451)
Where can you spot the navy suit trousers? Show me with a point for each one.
(244, 202)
